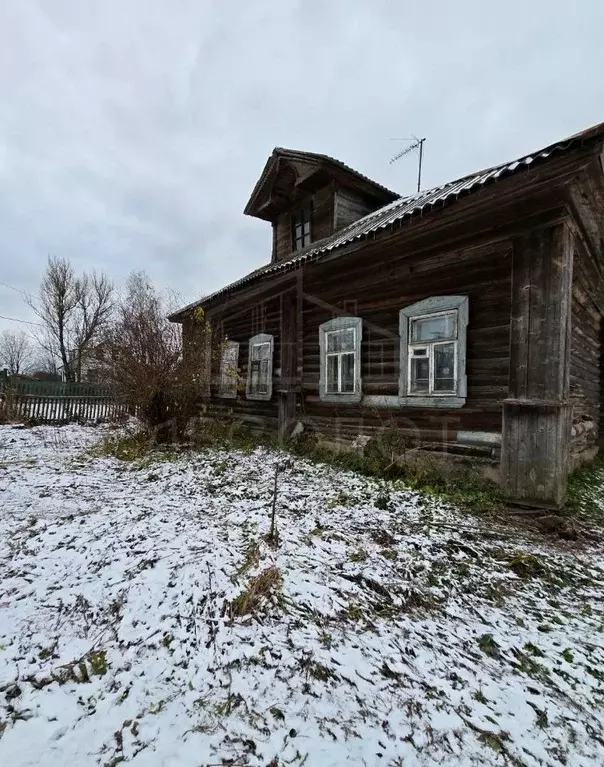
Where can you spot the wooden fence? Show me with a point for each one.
(58, 402)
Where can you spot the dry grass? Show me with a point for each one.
(261, 587)
(251, 559)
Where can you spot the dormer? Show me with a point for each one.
(308, 197)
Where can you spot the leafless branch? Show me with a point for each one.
(75, 312)
(15, 351)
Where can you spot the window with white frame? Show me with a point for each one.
(260, 367)
(433, 352)
(340, 349)
(229, 362)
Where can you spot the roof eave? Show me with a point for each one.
(433, 200)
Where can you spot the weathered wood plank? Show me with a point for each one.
(536, 415)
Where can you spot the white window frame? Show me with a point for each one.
(436, 306)
(260, 339)
(341, 323)
(231, 391)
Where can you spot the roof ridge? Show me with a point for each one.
(340, 163)
(405, 207)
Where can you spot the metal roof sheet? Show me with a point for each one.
(403, 208)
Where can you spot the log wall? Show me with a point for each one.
(322, 221)
(376, 290)
(240, 324)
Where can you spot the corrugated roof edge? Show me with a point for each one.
(401, 208)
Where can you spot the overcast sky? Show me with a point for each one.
(133, 131)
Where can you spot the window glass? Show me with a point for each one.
(340, 340)
(301, 229)
(420, 374)
(332, 373)
(260, 368)
(264, 377)
(259, 376)
(433, 352)
(261, 351)
(444, 367)
(228, 370)
(340, 345)
(254, 376)
(434, 328)
(347, 362)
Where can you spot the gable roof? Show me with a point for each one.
(405, 207)
(380, 192)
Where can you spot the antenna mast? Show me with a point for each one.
(418, 143)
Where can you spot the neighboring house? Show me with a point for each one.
(96, 365)
(468, 315)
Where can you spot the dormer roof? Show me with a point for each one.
(289, 171)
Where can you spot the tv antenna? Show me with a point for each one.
(418, 143)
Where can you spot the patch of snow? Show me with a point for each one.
(397, 636)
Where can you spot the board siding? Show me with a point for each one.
(322, 221)
(536, 416)
(586, 356)
(350, 207)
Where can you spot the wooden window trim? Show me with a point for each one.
(434, 307)
(341, 323)
(259, 340)
(222, 391)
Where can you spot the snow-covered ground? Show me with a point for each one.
(385, 629)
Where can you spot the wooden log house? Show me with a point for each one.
(469, 315)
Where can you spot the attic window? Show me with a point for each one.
(301, 228)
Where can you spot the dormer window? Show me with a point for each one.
(301, 228)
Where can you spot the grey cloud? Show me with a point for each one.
(131, 133)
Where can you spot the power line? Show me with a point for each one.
(18, 290)
(26, 322)
(14, 319)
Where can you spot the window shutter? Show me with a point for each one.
(229, 370)
(259, 384)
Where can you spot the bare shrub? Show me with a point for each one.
(159, 380)
(8, 407)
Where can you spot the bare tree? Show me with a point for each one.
(75, 311)
(44, 366)
(155, 377)
(15, 351)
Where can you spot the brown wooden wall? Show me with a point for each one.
(349, 206)
(377, 284)
(282, 237)
(376, 291)
(240, 324)
(322, 205)
(585, 375)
